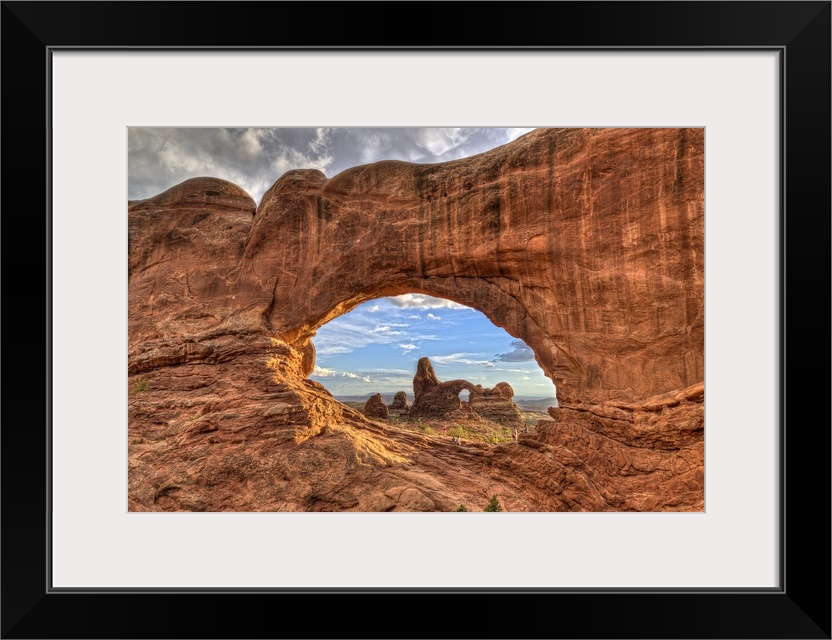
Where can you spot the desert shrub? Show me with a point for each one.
(141, 385)
(462, 508)
(426, 429)
(493, 504)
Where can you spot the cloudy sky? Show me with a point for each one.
(374, 348)
(254, 158)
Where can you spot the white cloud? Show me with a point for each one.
(355, 376)
(374, 309)
(292, 159)
(323, 372)
(373, 146)
(332, 350)
(420, 301)
(392, 372)
(439, 141)
(433, 317)
(407, 347)
(322, 140)
(386, 330)
(520, 352)
(460, 358)
(251, 141)
(346, 336)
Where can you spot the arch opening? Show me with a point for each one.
(376, 348)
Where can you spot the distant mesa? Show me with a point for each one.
(435, 399)
(375, 408)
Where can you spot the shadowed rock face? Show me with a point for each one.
(375, 408)
(587, 244)
(400, 402)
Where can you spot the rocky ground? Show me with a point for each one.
(473, 430)
(283, 443)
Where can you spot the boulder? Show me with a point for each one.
(375, 408)
(496, 404)
(400, 402)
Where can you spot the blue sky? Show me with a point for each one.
(375, 347)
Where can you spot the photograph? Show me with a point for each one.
(472, 261)
(421, 320)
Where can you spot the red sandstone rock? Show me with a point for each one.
(375, 408)
(586, 243)
(496, 404)
(400, 402)
(425, 379)
(435, 399)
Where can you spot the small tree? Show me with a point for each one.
(462, 508)
(494, 504)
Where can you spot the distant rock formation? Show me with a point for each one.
(375, 408)
(435, 399)
(496, 404)
(400, 402)
(425, 379)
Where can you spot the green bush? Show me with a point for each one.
(462, 508)
(494, 504)
(428, 430)
(141, 385)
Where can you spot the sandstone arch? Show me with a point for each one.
(586, 244)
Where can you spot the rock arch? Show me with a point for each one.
(588, 244)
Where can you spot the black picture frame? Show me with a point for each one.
(799, 608)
